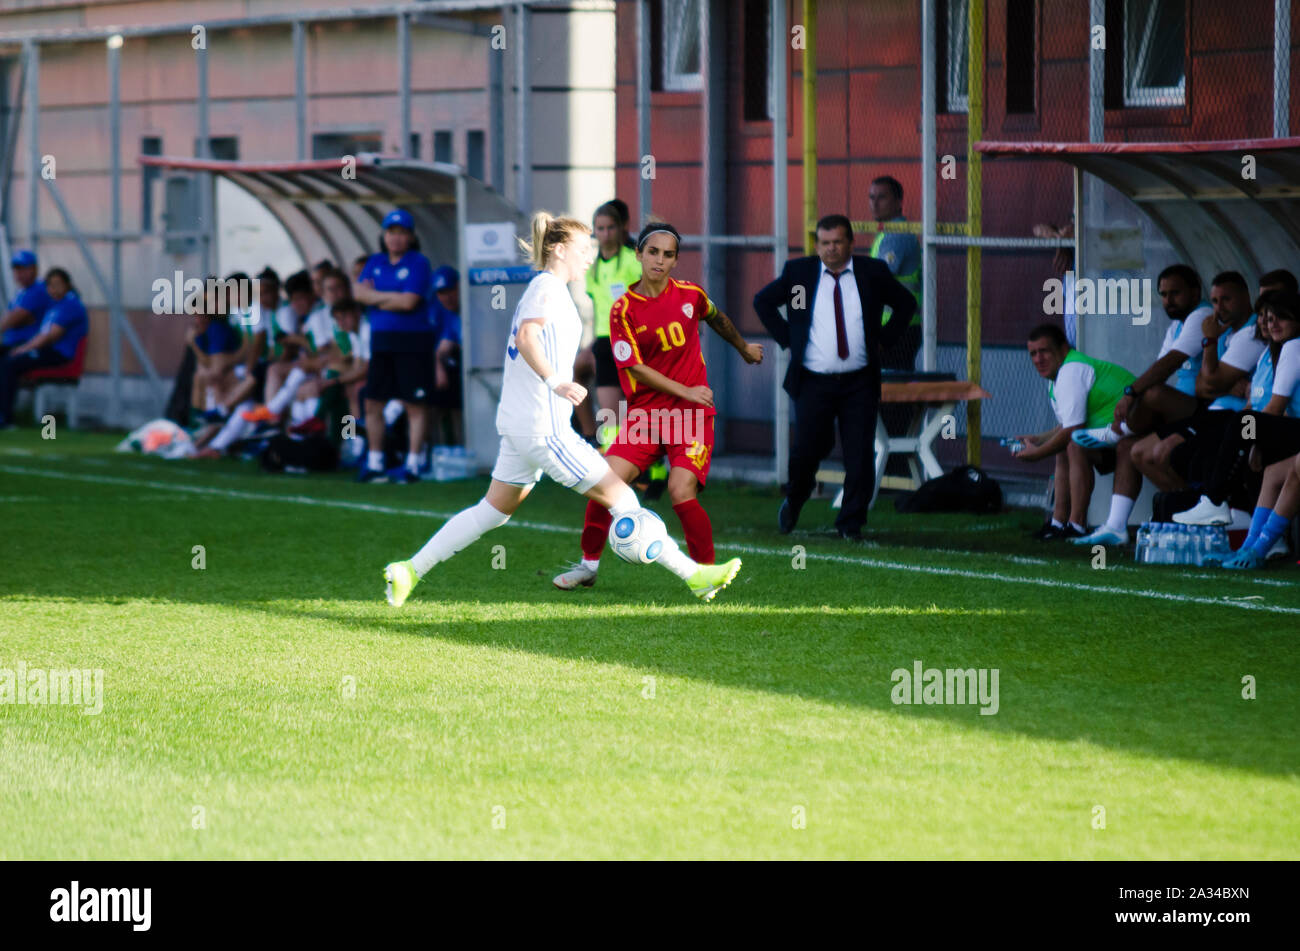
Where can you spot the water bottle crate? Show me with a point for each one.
(1168, 543)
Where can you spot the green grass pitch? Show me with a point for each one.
(271, 704)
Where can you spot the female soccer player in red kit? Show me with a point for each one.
(654, 331)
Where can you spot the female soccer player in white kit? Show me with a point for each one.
(533, 419)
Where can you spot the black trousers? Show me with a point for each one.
(825, 400)
(11, 368)
(1277, 437)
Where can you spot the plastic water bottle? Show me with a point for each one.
(1164, 541)
(1183, 545)
(1142, 549)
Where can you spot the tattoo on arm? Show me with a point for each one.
(725, 329)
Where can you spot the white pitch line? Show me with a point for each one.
(573, 530)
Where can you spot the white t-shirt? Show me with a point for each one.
(1188, 342)
(1242, 353)
(1244, 348)
(318, 327)
(1069, 394)
(1287, 375)
(527, 407)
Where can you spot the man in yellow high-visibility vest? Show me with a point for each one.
(902, 252)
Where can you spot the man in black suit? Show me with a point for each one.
(833, 304)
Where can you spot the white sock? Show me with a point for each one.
(462, 530)
(285, 394)
(1077, 527)
(392, 410)
(413, 461)
(1057, 523)
(591, 564)
(677, 561)
(1120, 508)
(234, 430)
(625, 503)
(375, 459)
(211, 399)
(1123, 427)
(303, 410)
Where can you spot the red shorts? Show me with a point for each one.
(691, 448)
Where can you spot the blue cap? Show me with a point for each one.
(399, 218)
(23, 258)
(445, 277)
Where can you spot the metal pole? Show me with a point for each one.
(1281, 68)
(115, 172)
(404, 82)
(643, 107)
(708, 225)
(523, 110)
(929, 199)
(300, 85)
(203, 149)
(496, 119)
(114, 305)
(33, 140)
(810, 125)
(974, 220)
(780, 223)
(1096, 75)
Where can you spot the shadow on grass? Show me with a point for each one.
(1148, 677)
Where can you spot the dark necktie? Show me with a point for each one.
(841, 333)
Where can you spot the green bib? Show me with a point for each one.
(1107, 388)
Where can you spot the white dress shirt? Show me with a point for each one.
(822, 352)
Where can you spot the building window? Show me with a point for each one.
(680, 44)
(953, 36)
(442, 146)
(327, 145)
(1154, 39)
(760, 79)
(223, 148)
(414, 146)
(474, 153)
(149, 145)
(1021, 31)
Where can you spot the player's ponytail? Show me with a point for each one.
(548, 233)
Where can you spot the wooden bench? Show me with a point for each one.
(932, 401)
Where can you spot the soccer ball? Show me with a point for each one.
(639, 537)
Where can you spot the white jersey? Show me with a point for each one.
(527, 407)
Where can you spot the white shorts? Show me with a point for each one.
(568, 459)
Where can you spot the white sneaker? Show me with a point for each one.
(1205, 512)
(1280, 549)
(1240, 520)
(578, 576)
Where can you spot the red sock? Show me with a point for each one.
(698, 529)
(595, 530)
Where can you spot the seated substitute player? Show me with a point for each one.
(63, 326)
(1260, 438)
(534, 420)
(1229, 351)
(654, 331)
(1083, 391)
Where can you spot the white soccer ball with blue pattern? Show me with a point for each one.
(638, 537)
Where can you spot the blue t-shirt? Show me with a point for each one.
(1184, 379)
(36, 301)
(1261, 383)
(412, 274)
(445, 323)
(219, 337)
(70, 314)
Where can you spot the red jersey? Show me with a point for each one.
(664, 334)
